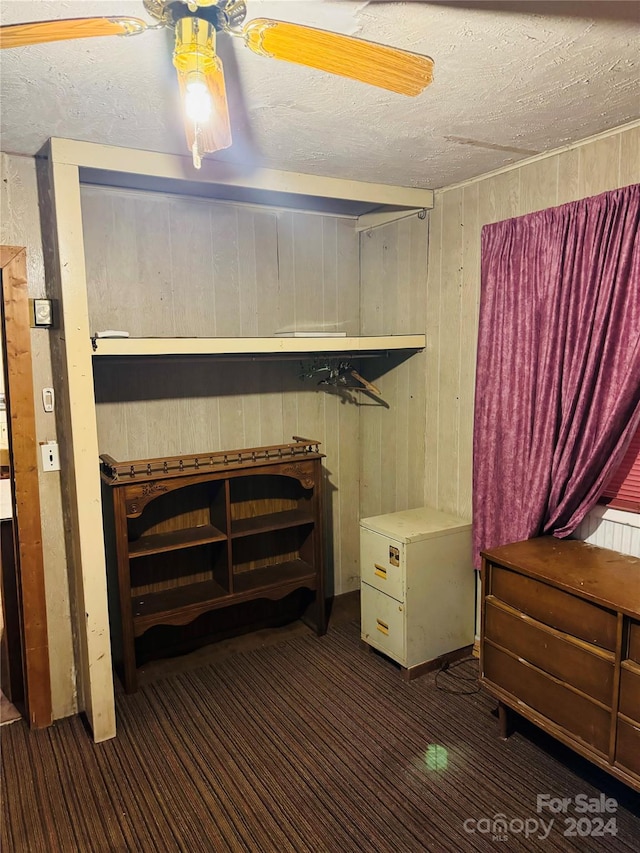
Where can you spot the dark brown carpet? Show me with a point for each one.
(310, 745)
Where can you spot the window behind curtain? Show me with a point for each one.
(623, 489)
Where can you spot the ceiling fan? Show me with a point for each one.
(200, 73)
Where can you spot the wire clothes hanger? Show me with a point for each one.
(341, 374)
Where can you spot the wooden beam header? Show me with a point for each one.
(129, 161)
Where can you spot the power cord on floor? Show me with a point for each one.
(452, 687)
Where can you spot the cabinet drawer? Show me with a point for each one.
(630, 691)
(634, 641)
(383, 623)
(556, 608)
(576, 714)
(567, 659)
(628, 746)
(382, 563)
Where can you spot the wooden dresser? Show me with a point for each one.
(560, 644)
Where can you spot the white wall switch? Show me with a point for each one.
(48, 399)
(42, 312)
(50, 456)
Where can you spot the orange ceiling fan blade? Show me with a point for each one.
(40, 32)
(376, 64)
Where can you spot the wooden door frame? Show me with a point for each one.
(29, 564)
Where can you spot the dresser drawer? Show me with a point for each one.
(572, 661)
(630, 691)
(628, 746)
(555, 608)
(576, 714)
(383, 623)
(382, 563)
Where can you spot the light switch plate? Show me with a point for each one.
(48, 399)
(42, 312)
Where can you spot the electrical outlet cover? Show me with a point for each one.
(50, 456)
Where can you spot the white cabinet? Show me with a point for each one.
(417, 591)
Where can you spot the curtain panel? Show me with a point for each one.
(558, 370)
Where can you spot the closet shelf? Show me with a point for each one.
(240, 347)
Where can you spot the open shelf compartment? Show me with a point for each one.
(271, 521)
(173, 540)
(181, 605)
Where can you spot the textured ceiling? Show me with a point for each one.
(511, 80)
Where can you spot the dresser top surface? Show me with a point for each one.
(413, 525)
(598, 574)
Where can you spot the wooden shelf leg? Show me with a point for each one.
(128, 673)
(321, 614)
(505, 721)
(130, 676)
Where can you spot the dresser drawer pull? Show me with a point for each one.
(382, 627)
(380, 571)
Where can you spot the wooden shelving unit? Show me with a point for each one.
(198, 533)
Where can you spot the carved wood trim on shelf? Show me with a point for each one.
(300, 473)
(187, 465)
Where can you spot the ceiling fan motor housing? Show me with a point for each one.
(222, 15)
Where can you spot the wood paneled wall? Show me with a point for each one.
(453, 289)
(393, 300)
(160, 265)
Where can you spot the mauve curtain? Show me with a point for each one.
(558, 371)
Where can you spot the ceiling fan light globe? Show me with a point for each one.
(202, 87)
(198, 105)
